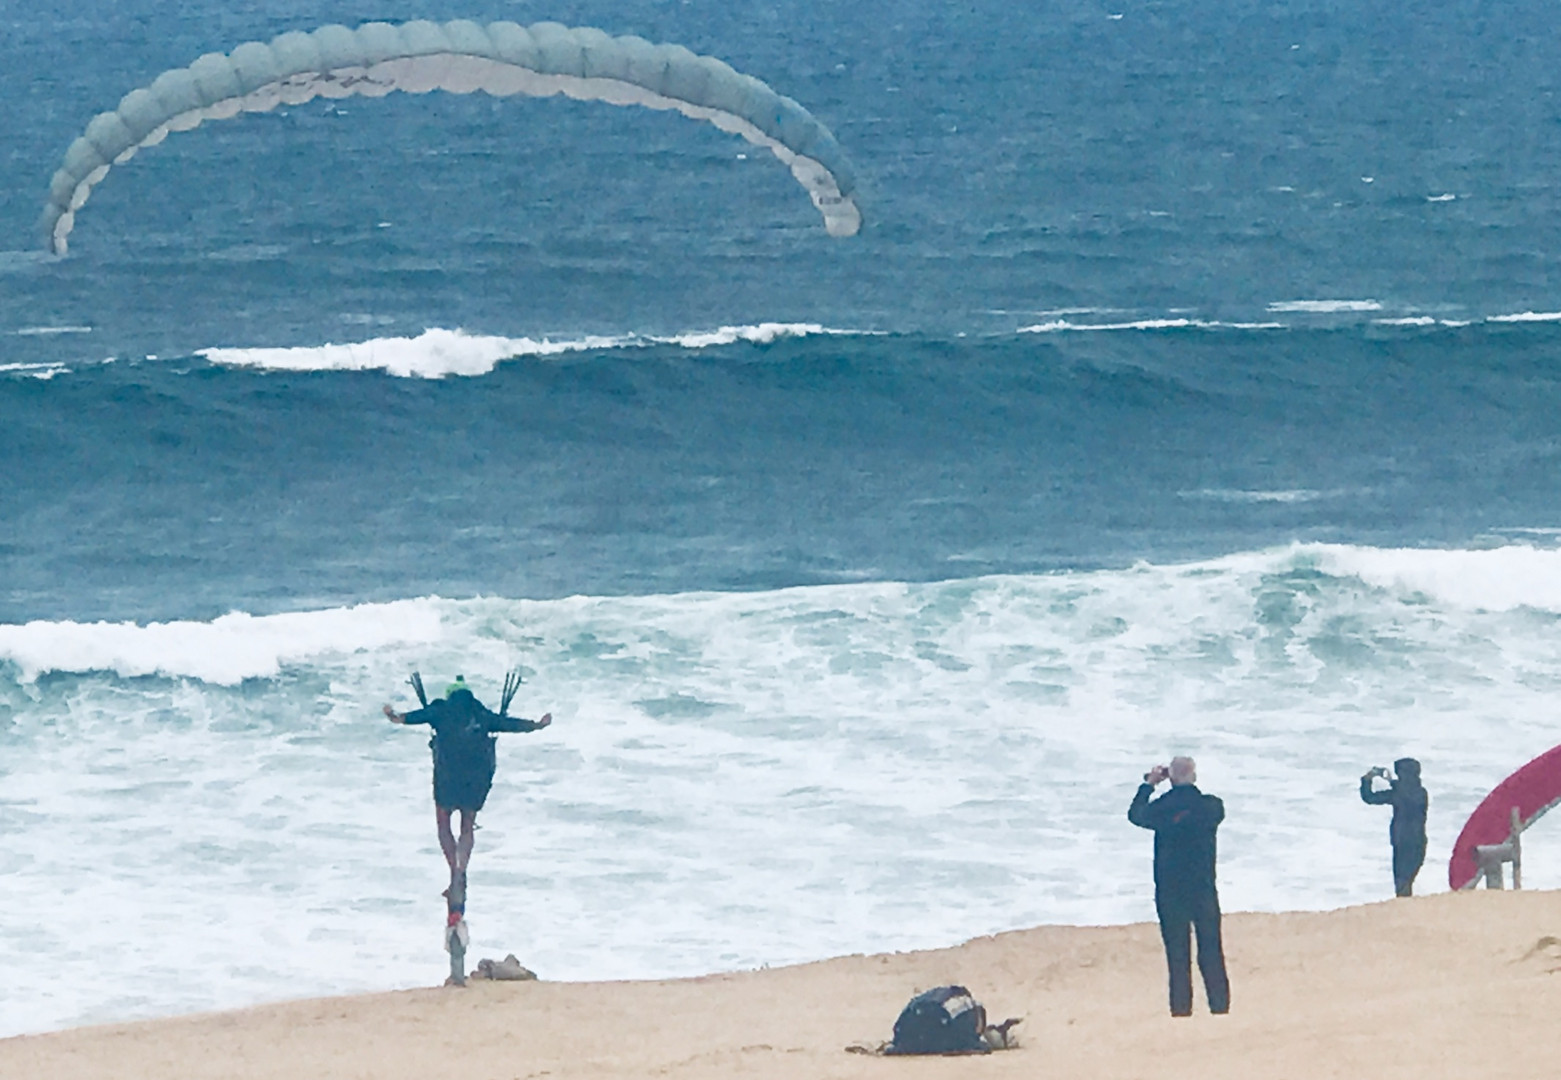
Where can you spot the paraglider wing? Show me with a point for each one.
(461, 57)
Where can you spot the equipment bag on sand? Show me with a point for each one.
(944, 1020)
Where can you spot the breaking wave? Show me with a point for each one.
(436, 353)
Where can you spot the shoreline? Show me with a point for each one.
(1451, 984)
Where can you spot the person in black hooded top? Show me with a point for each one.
(1406, 831)
(1184, 821)
(464, 761)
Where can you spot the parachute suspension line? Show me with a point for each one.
(501, 59)
(417, 687)
(512, 682)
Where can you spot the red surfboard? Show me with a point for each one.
(1533, 789)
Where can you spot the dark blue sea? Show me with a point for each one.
(1193, 385)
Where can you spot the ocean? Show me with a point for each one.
(1192, 387)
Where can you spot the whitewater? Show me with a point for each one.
(217, 814)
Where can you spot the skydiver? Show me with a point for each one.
(464, 762)
(1406, 832)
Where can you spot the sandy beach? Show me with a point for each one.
(1444, 986)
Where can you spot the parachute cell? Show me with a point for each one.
(296, 52)
(255, 66)
(423, 38)
(338, 47)
(215, 80)
(178, 92)
(558, 52)
(81, 158)
(109, 135)
(379, 42)
(468, 38)
(515, 45)
(141, 113)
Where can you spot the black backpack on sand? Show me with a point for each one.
(944, 1020)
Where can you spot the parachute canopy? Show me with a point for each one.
(501, 59)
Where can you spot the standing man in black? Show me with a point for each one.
(1408, 798)
(1184, 821)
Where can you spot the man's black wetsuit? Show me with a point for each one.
(1184, 821)
(1406, 831)
(463, 740)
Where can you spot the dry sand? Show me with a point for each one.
(1461, 985)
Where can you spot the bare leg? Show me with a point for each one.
(468, 838)
(447, 838)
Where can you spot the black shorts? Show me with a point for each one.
(462, 789)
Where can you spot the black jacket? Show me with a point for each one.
(1409, 801)
(1184, 821)
(463, 732)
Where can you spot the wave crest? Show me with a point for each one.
(224, 651)
(436, 353)
(239, 646)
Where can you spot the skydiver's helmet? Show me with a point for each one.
(1407, 770)
(457, 687)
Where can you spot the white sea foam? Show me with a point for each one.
(437, 352)
(737, 779)
(224, 651)
(34, 371)
(1055, 326)
(1324, 307)
(1241, 495)
(1496, 580)
(430, 355)
(758, 334)
(1526, 317)
(50, 331)
(1421, 320)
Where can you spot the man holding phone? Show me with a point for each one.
(1408, 798)
(1184, 821)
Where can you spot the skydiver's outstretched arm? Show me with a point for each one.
(515, 723)
(416, 716)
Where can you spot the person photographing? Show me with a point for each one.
(1406, 832)
(1184, 821)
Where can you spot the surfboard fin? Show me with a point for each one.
(417, 687)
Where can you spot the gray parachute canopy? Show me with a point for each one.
(501, 59)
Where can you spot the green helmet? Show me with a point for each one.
(458, 685)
